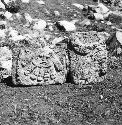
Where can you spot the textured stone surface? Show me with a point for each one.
(40, 65)
(88, 56)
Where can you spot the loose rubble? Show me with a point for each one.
(98, 16)
(2, 5)
(78, 5)
(8, 15)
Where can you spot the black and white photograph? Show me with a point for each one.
(60, 62)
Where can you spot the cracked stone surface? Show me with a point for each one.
(88, 57)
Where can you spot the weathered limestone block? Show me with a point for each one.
(40, 65)
(88, 57)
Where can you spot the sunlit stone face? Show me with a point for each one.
(42, 66)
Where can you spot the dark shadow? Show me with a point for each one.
(69, 78)
(11, 7)
(59, 27)
(71, 47)
(9, 82)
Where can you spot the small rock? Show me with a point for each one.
(8, 15)
(109, 23)
(50, 28)
(119, 36)
(41, 2)
(98, 16)
(14, 35)
(40, 25)
(12, 32)
(119, 50)
(2, 34)
(85, 22)
(56, 13)
(28, 17)
(102, 21)
(78, 5)
(18, 15)
(25, 1)
(113, 27)
(101, 96)
(57, 40)
(47, 37)
(68, 7)
(103, 8)
(49, 23)
(3, 22)
(120, 4)
(2, 5)
(68, 26)
(75, 15)
(6, 64)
